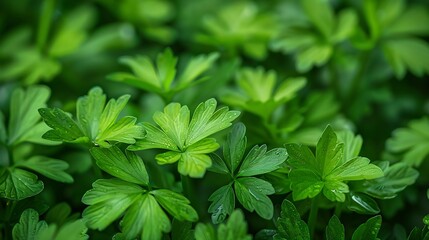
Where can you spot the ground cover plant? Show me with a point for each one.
(178, 119)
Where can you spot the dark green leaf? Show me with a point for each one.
(64, 128)
(205, 232)
(17, 184)
(108, 199)
(235, 146)
(362, 204)
(252, 194)
(127, 167)
(223, 203)
(181, 230)
(29, 226)
(368, 230)
(75, 230)
(259, 161)
(335, 229)
(290, 225)
(48, 167)
(175, 204)
(235, 228)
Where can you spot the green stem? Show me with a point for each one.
(97, 171)
(186, 185)
(357, 79)
(334, 80)
(45, 23)
(312, 217)
(338, 209)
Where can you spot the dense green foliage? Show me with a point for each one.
(179, 119)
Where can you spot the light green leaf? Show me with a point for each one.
(368, 230)
(48, 167)
(305, 184)
(409, 22)
(174, 122)
(321, 15)
(205, 232)
(352, 144)
(23, 111)
(407, 53)
(194, 68)
(335, 229)
(186, 138)
(175, 204)
(328, 152)
(252, 194)
(206, 121)
(75, 230)
(155, 138)
(412, 141)
(17, 184)
(129, 167)
(235, 146)
(327, 171)
(346, 25)
(223, 203)
(108, 199)
(145, 217)
(259, 161)
(355, 169)
(194, 165)
(290, 225)
(95, 122)
(63, 127)
(29, 226)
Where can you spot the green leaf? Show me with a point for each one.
(75, 230)
(235, 228)
(48, 167)
(206, 121)
(321, 15)
(29, 226)
(17, 184)
(396, 178)
(407, 54)
(175, 204)
(259, 161)
(362, 204)
(223, 203)
(160, 77)
(108, 199)
(290, 225)
(129, 167)
(409, 22)
(23, 111)
(252, 194)
(235, 146)
(64, 128)
(368, 230)
(335, 229)
(328, 170)
(96, 122)
(182, 230)
(413, 142)
(58, 214)
(205, 232)
(145, 217)
(185, 137)
(352, 144)
(88, 111)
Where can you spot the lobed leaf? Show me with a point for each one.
(290, 225)
(29, 226)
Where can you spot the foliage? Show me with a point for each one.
(178, 119)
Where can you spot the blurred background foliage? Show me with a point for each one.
(291, 67)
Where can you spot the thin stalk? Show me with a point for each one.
(186, 185)
(312, 217)
(334, 80)
(357, 79)
(45, 20)
(97, 171)
(338, 209)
